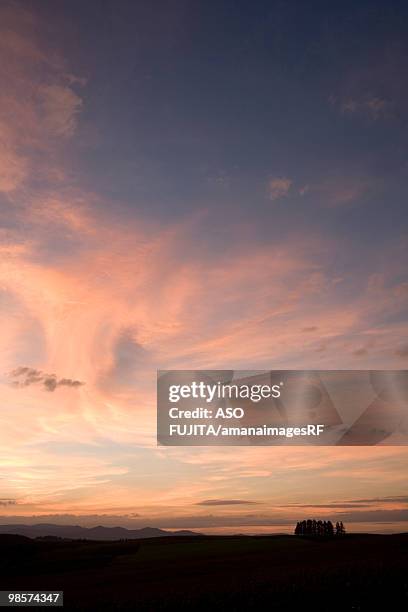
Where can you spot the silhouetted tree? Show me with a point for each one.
(330, 528)
(340, 529)
(297, 529)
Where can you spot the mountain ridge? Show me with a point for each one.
(99, 532)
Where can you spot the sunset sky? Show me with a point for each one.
(193, 184)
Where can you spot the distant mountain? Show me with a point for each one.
(76, 532)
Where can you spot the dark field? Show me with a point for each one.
(354, 572)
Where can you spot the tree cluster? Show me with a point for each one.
(319, 528)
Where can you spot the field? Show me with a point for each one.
(354, 572)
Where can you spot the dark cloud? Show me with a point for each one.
(68, 382)
(381, 500)
(23, 370)
(374, 516)
(50, 383)
(334, 505)
(312, 328)
(7, 502)
(25, 376)
(225, 502)
(353, 503)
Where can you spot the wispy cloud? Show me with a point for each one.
(226, 502)
(38, 104)
(372, 106)
(339, 190)
(60, 107)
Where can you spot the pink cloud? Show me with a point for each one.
(37, 101)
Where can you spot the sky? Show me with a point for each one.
(196, 185)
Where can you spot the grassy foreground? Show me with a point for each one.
(355, 572)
